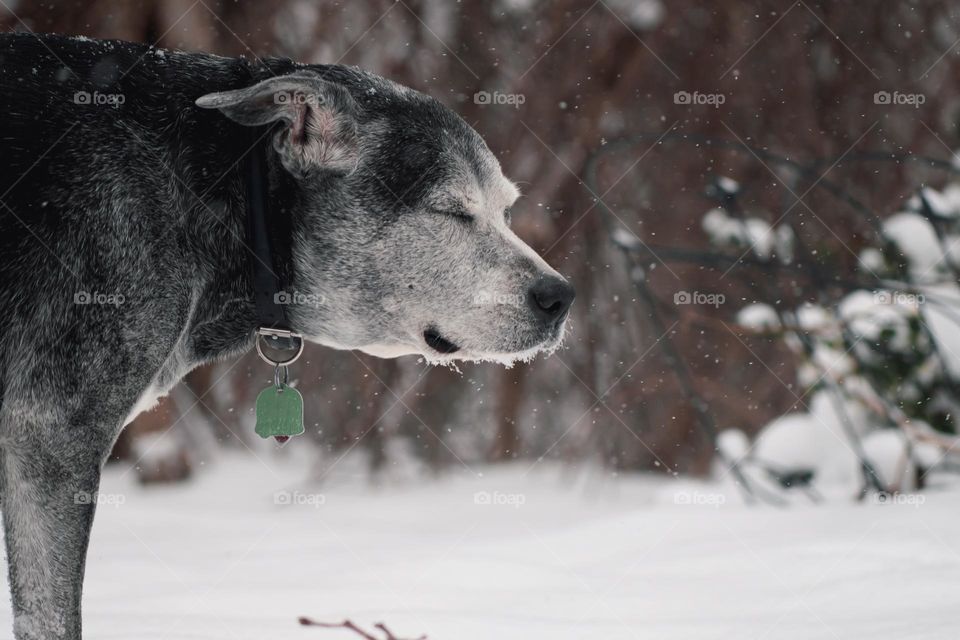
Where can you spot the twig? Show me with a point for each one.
(390, 635)
(350, 626)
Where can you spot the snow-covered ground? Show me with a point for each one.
(552, 554)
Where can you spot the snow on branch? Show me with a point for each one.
(875, 344)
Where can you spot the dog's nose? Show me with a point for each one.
(550, 298)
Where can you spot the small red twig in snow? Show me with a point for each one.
(347, 624)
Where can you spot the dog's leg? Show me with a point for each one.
(48, 504)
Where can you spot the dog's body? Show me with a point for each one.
(125, 264)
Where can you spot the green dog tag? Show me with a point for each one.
(279, 413)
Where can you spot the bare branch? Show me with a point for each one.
(350, 626)
(390, 635)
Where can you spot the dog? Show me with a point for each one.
(125, 262)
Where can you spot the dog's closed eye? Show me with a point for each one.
(457, 211)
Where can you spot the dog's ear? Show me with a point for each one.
(320, 117)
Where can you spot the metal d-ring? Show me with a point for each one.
(276, 377)
(278, 333)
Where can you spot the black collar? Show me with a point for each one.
(267, 289)
(270, 299)
(266, 238)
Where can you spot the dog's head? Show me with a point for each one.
(402, 240)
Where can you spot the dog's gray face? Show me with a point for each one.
(402, 216)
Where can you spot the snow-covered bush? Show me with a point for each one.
(878, 365)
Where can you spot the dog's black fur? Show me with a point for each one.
(65, 169)
(123, 261)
